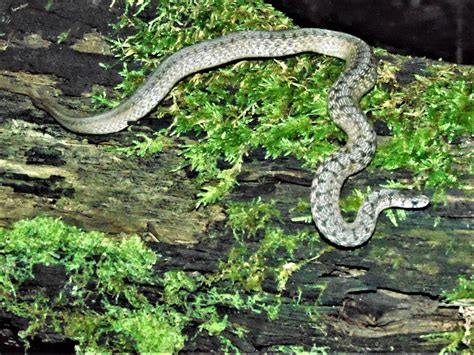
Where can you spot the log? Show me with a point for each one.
(380, 298)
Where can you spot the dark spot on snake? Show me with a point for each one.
(341, 166)
(344, 107)
(320, 208)
(323, 223)
(319, 193)
(371, 204)
(352, 159)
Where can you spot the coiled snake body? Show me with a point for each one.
(355, 81)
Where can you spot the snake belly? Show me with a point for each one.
(358, 78)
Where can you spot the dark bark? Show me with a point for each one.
(380, 297)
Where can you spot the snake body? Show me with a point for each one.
(358, 78)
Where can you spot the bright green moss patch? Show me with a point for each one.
(100, 303)
(263, 250)
(299, 350)
(463, 291)
(430, 119)
(50, 242)
(279, 105)
(99, 296)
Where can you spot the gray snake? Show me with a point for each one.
(358, 78)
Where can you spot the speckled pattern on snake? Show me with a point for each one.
(358, 78)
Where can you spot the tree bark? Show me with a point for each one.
(381, 297)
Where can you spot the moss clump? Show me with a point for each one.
(99, 296)
(430, 118)
(100, 301)
(463, 291)
(262, 249)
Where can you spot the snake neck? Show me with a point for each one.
(325, 192)
(352, 158)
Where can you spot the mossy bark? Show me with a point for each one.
(381, 297)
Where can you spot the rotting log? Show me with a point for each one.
(381, 297)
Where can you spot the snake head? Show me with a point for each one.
(419, 201)
(407, 199)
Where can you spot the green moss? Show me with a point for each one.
(222, 107)
(99, 296)
(62, 37)
(297, 350)
(462, 340)
(463, 291)
(100, 302)
(264, 250)
(426, 116)
(119, 329)
(49, 242)
(249, 218)
(453, 341)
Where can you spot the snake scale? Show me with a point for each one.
(358, 78)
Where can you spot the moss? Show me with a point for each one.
(264, 250)
(463, 291)
(429, 117)
(222, 107)
(100, 294)
(294, 349)
(100, 302)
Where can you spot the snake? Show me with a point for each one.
(356, 80)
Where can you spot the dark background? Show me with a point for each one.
(437, 29)
(432, 28)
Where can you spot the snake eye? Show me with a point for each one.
(419, 201)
